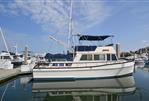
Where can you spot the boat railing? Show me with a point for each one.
(60, 64)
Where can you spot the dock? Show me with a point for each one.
(7, 74)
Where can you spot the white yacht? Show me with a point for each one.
(89, 62)
(5, 57)
(5, 61)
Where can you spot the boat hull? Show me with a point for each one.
(6, 64)
(76, 73)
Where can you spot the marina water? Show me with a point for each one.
(128, 88)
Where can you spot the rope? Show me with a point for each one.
(4, 92)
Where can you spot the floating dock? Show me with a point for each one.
(7, 74)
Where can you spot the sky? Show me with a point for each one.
(30, 22)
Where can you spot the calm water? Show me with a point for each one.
(130, 88)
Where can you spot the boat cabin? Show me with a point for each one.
(103, 53)
(89, 55)
(5, 55)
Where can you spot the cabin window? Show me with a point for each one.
(96, 57)
(61, 64)
(99, 57)
(6, 57)
(86, 57)
(114, 57)
(89, 57)
(102, 57)
(54, 64)
(108, 57)
(68, 64)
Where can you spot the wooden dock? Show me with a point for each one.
(7, 74)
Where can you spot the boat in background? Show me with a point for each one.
(5, 61)
(28, 63)
(5, 57)
(17, 60)
(147, 60)
(139, 62)
(89, 62)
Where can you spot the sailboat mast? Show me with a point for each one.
(70, 25)
(4, 41)
(16, 49)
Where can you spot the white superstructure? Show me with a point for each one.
(5, 61)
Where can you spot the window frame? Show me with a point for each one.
(88, 57)
(102, 57)
(99, 57)
(114, 57)
(108, 59)
(111, 58)
(82, 59)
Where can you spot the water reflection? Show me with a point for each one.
(139, 65)
(146, 68)
(84, 90)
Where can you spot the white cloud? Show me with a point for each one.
(36, 43)
(2, 8)
(45, 13)
(87, 13)
(144, 43)
(53, 15)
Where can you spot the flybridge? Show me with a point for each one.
(94, 38)
(91, 38)
(85, 48)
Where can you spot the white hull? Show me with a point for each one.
(109, 70)
(6, 64)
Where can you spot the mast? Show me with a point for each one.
(25, 55)
(5, 42)
(70, 24)
(70, 36)
(16, 49)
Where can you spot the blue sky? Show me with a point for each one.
(28, 22)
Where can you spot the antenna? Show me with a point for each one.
(16, 49)
(60, 42)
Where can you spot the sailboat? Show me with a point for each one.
(5, 57)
